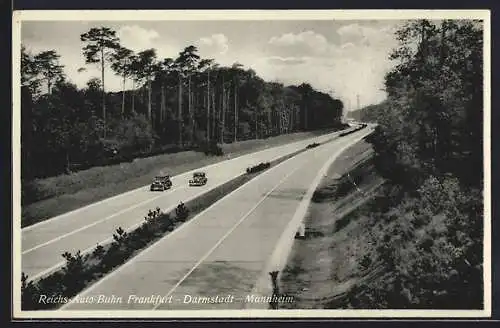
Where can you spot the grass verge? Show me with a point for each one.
(57, 195)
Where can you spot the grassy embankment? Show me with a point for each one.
(57, 195)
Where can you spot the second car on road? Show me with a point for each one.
(161, 183)
(199, 179)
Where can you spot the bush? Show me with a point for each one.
(29, 293)
(313, 145)
(83, 269)
(355, 130)
(181, 212)
(258, 168)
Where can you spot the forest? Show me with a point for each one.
(427, 226)
(175, 104)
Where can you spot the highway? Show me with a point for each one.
(224, 251)
(82, 229)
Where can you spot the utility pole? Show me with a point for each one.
(357, 100)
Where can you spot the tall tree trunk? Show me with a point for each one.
(190, 110)
(281, 126)
(228, 105)
(68, 162)
(423, 41)
(223, 114)
(133, 97)
(270, 123)
(442, 52)
(214, 115)
(162, 104)
(256, 124)
(123, 97)
(149, 98)
(208, 107)
(235, 112)
(180, 110)
(103, 92)
(193, 106)
(306, 117)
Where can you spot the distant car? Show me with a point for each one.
(161, 183)
(199, 179)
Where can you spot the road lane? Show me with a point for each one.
(223, 248)
(83, 229)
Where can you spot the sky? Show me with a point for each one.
(345, 58)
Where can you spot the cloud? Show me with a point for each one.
(308, 43)
(351, 59)
(366, 35)
(213, 44)
(137, 38)
(286, 61)
(354, 64)
(347, 46)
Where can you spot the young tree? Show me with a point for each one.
(48, 66)
(135, 75)
(305, 90)
(188, 62)
(207, 65)
(100, 44)
(147, 68)
(180, 118)
(163, 76)
(236, 71)
(121, 61)
(29, 72)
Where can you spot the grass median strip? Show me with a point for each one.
(313, 145)
(81, 270)
(362, 126)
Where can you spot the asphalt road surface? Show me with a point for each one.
(82, 229)
(225, 250)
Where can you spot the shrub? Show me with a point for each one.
(29, 293)
(313, 145)
(74, 273)
(352, 131)
(98, 252)
(258, 167)
(81, 269)
(181, 212)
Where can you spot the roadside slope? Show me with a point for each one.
(325, 264)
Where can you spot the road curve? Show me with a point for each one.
(223, 251)
(82, 229)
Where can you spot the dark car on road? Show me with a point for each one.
(161, 183)
(199, 179)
